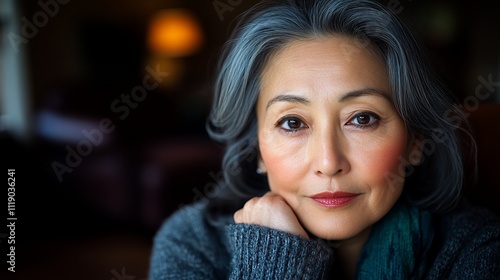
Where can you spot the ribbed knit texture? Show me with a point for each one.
(264, 253)
(466, 246)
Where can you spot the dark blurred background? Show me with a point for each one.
(103, 110)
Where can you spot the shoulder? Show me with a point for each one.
(467, 242)
(468, 224)
(188, 221)
(187, 241)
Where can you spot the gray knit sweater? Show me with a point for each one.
(466, 246)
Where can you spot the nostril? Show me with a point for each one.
(325, 172)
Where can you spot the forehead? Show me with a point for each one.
(338, 61)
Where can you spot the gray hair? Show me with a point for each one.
(422, 101)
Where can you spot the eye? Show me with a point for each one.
(291, 124)
(364, 120)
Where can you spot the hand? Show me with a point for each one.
(270, 211)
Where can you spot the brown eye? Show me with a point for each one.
(291, 124)
(363, 119)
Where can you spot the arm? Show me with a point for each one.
(264, 253)
(269, 242)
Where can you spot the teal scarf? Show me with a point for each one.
(397, 246)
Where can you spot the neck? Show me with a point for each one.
(349, 250)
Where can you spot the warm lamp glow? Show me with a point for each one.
(174, 33)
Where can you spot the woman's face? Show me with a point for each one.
(330, 138)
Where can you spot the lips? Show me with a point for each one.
(334, 199)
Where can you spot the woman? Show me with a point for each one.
(343, 158)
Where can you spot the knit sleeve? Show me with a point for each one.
(264, 253)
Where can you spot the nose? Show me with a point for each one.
(329, 153)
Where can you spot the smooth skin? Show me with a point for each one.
(326, 123)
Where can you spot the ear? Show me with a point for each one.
(414, 151)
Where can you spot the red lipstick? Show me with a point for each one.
(334, 199)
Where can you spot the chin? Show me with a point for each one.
(335, 233)
(333, 227)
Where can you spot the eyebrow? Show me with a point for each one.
(344, 98)
(364, 92)
(287, 98)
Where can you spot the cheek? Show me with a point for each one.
(385, 164)
(284, 162)
(390, 157)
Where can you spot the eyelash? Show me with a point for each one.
(350, 122)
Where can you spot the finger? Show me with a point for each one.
(269, 193)
(237, 216)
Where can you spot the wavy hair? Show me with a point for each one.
(423, 102)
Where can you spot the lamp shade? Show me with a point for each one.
(174, 32)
